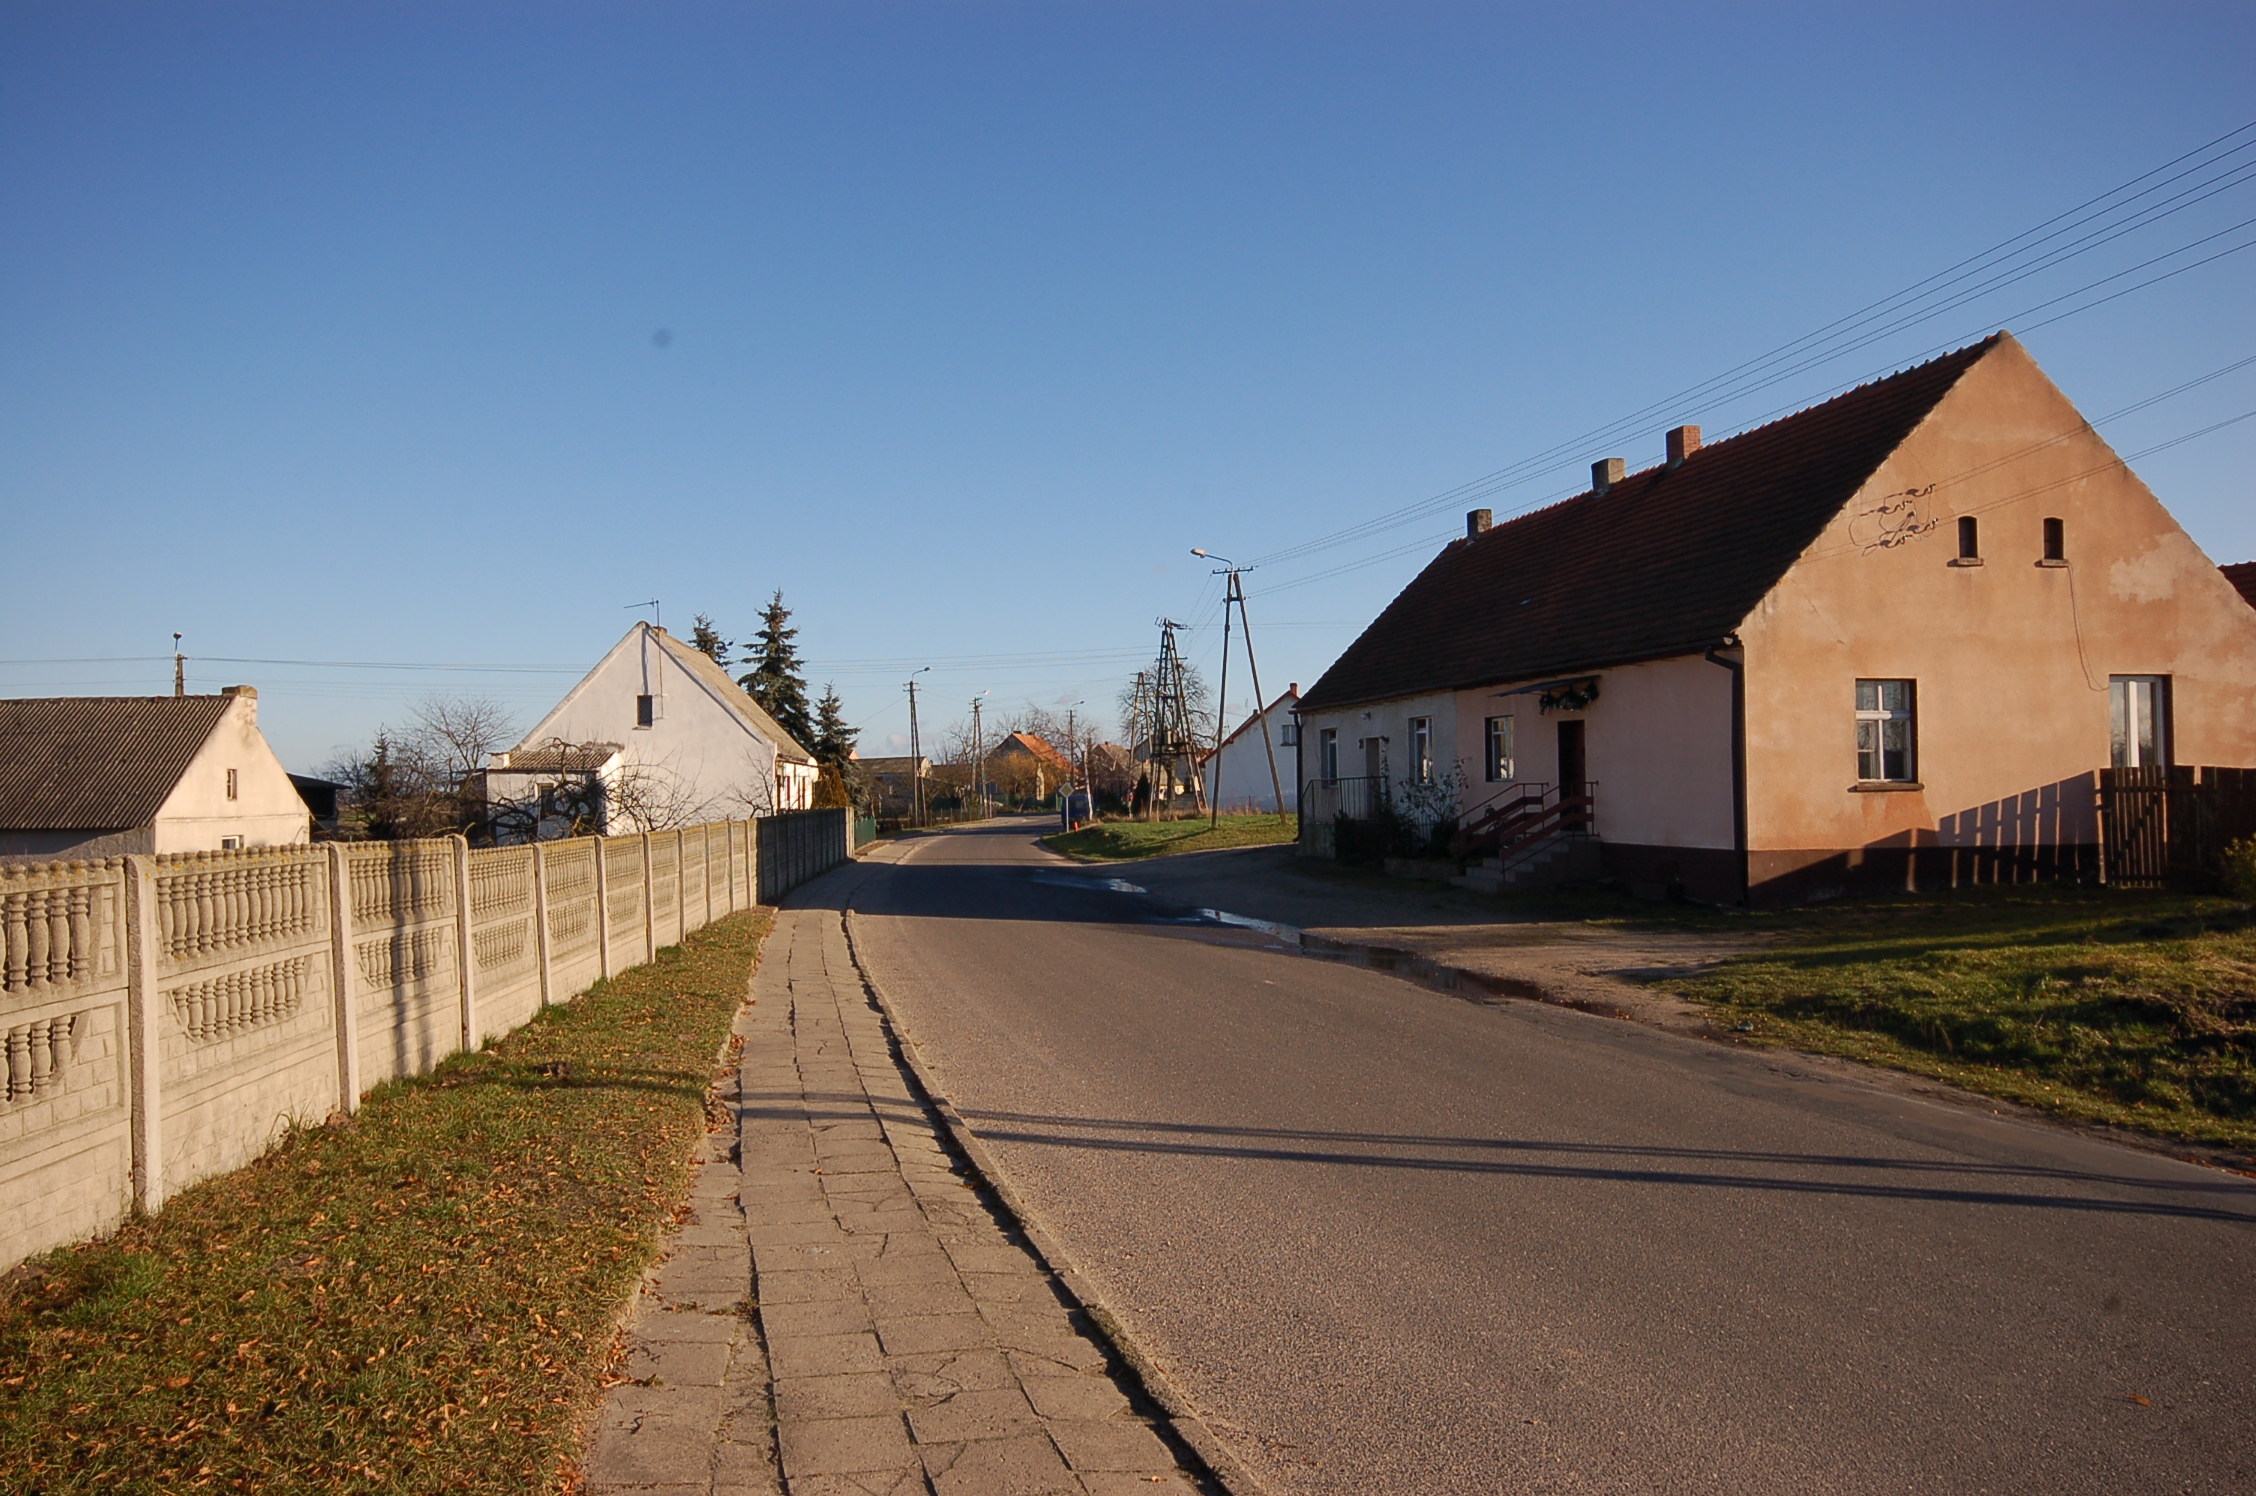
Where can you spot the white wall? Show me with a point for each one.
(1245, 783)
(266, 811)
(698, 755)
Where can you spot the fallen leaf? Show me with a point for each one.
(2142, 1402)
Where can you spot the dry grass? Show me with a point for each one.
(2104, 1006)
(418, 1299)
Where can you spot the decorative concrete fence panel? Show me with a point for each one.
(406, 956)
(246, 1012)
(797, 845)
(624, 870)
(665, 887)
(167, 1018)
(503, 939)
(66, 1145)
(575, 919)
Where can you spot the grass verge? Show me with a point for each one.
(1124, 841)
(418, 1298)
(2098, 1005)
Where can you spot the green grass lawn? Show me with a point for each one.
(1122, 841)
(2108, 1006)
(418, 1299)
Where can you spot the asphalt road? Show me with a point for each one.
(1392, 1241)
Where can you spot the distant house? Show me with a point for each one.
(540, 794)
(892, 783)
(2242, 574)
(1026, 767)
(83, 777)
(1243, 782)
(1888, 641)
(685, 743)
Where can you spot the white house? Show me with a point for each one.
(673, 739)
(1243, 782)
(83, 777)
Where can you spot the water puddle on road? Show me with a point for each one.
(1476, 987)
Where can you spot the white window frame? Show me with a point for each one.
(2131, 700)
(1327, 754)
(1421, 750)
(1496, 749)
(1872, 734)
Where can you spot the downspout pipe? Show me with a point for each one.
(1738, 669)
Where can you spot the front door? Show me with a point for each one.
(1572, 772)
(1374, 758)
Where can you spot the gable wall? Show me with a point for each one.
(698, 760)
(267, 810)
(2011, 658)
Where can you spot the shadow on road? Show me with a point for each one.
(1527, 1158)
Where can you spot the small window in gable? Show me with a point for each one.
(230, 784)
(646, 710)
(1969, 538)
(2055, 541)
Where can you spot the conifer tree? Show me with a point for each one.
(707, 641)
(834, 740)
(775, 680)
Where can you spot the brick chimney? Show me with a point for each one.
(1682, 443)
(1606, 472)
(1477, 521)
(249, 696)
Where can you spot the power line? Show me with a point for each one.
(1740, 380)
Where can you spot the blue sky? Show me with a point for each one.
(436, 335)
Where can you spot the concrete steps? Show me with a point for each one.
(1542, 864)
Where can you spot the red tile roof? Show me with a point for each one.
(1034, 747)
(1665, 562)
(2242, 574)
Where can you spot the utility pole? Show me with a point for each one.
(979, 756)
(179, 668)
(916, 756)
(1234, 591)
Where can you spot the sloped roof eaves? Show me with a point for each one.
(97, 763)
(736, 698)
(1664, 563)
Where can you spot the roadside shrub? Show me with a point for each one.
(2240, 870)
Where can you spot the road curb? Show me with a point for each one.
(1185, 1421)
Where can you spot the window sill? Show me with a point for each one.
(1964, 561)
(2053, 565)
(1884, 786)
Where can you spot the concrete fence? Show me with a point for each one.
(167, 1018)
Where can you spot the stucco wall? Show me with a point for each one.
(698, 759)
(1244, 783)
(267, 810)
(2012, 658)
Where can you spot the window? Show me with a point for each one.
(1288, 736)
(1499, 755)
(1884, 732)
(1327, 754)
(2138, 709)
(230, 784)
(646, 710)
(1969, 538)
(1421, 749)
(2055, 542)
(231, 843)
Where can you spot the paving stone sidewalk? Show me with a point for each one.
(904, 1340)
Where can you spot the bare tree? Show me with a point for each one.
(411, 780)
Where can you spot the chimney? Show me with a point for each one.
(249, 695)
(1682, 443)
(1606, 472)
(1477, 521)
